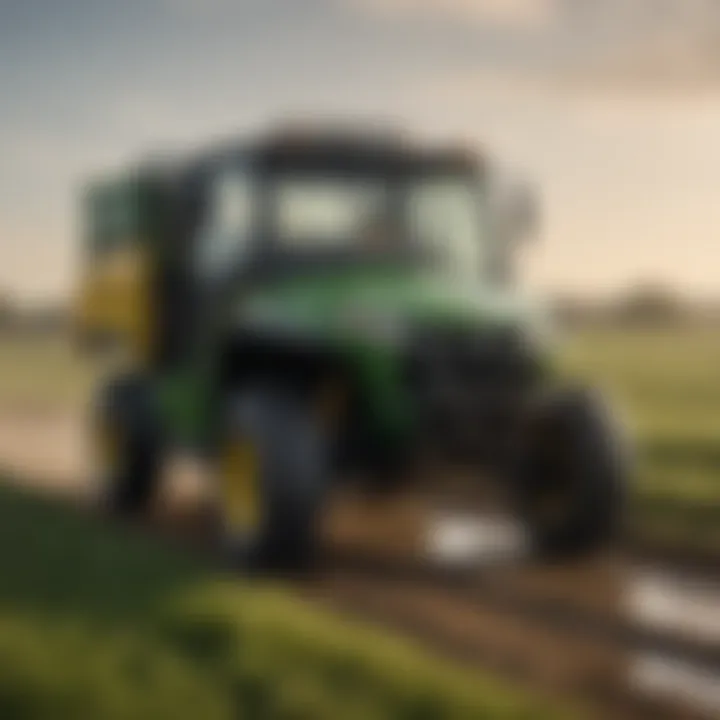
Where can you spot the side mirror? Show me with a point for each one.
(517, 214)
(513, 220)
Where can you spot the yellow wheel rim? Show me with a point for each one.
(240, 472)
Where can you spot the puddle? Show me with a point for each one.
(48, 450)
(680, 605)
(471, 539)
(673, 603)
(672, 679)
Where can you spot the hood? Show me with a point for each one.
(354, 302)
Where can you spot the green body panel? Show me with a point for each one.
(331, 302)
(183, 398)
(361, 315)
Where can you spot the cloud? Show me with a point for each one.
(505, 13)
(618, 45)
(658, 44)
(195, 7)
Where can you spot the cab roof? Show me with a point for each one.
(334, 149)
(339, 149)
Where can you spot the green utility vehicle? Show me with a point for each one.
(305, 308)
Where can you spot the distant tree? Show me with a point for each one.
(8, 312)
(573, 311)
(650, 303)
(49, 319)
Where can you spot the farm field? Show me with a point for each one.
(664, 382)
(106, 623)
(42, 372)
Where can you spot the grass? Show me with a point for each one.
(102, 623)
(667, 379)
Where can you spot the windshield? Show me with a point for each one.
(329, 212)
(446, 218)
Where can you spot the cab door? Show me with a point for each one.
(113, 306)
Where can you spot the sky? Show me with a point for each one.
(610, 107)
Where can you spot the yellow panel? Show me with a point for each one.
(240, 478)
(114, 298)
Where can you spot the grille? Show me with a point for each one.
(466, 387)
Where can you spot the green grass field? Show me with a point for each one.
(102, 623)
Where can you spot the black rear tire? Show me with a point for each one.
(293, 461)
(128, 480)
(573, 475)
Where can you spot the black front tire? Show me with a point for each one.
(129, 474)
(573, 475)
(290, 444)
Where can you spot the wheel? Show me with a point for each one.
(272, 468)
(573, 475)
(127, 446)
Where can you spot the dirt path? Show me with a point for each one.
(49, 445)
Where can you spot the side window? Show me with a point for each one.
(113, 217)
(226, 231)
(445, 217)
